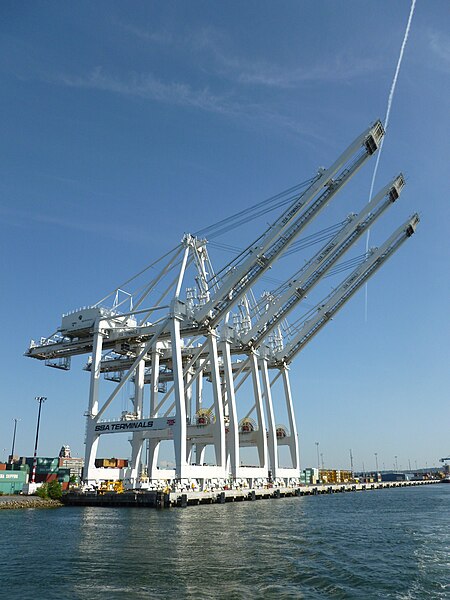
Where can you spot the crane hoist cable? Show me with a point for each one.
(141, 272)
(346, 265)
(306, 242)
(310, 240)
(218, 276)
(264, 207)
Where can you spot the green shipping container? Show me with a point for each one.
(11, 482)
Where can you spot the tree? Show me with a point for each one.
(52, 489)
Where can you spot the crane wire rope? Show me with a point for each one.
(141, 272)
(295, 326)
(216, 229)
(339, 268)
(218, 276)
(223, 226)
(306, 242)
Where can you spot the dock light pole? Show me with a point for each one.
(376, 460)
(318, 460)
(40, 399)
(13, 440)
(396, 463)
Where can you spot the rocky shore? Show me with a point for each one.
(7, 502)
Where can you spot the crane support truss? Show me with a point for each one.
(212, 388)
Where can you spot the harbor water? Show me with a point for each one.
(376, 544)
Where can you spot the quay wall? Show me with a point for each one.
(159, 499)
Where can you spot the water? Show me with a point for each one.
(375, 544)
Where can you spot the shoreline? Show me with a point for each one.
(20, 502)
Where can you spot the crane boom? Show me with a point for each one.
(336, 300)
(305, 279)
(286, 228)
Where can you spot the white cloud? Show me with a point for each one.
(115, 231)
(157, 37)
(340, 69)
(440, 46)
(210, 43)
(149, 87)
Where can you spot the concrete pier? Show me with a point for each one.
(159, 499)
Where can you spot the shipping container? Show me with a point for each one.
(11, 482)
(393, 477)
(111, 463)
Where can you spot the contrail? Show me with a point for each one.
(386, 122)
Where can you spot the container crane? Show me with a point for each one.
(276, 239)
(195, 360)
(323, 313)
(336, 300)
(321, 263)
(76, 334)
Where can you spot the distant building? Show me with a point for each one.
(67, 461)
(65, 452)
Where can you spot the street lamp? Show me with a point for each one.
(40, 399)
(321, 458)
(396, 463)
(376, 461)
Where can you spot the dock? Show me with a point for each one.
(160, 499)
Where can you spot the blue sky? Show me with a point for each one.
(125, 125)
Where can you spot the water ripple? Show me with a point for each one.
(390, 544)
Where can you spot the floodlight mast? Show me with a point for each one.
(277, 238)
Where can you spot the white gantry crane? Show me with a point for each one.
(203, 357)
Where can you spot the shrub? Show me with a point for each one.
(54, 490)
(42, 491)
